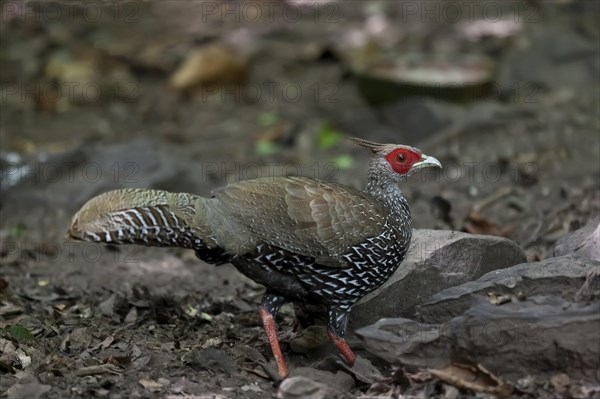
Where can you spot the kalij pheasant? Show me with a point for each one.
(305, 240)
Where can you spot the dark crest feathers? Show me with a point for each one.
(374, 147)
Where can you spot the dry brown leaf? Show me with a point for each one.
(496, 299)
(211, 64)
(379, 389)
(119, 360)
(475, 378)
(96, 370)
(421, 376)
(3, 285)
(141, 362)
(107, 342)
(151, 384)
(131, 316)
(560, 382)
(474, 223)
(24, 359)
(10, 309)
(80, 338)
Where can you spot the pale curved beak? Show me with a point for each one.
(427, 162)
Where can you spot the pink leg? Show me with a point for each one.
(271, 331)
(343, 348)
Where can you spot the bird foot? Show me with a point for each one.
(343, 348)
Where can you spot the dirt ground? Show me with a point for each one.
(97, 96)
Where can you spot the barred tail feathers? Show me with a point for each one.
(147, 217)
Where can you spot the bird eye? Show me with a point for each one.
(401, 157)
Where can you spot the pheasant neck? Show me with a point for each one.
(389, 194)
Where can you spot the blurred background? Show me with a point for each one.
(187, 96)
(190, 95)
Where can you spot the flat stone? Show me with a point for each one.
(556, 276)
(33, 390)
(584, 242)
(436, 260)
(548, 324)
(338, 382)
(541, 336)
(308, 382)
(302, 387)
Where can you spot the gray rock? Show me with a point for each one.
(302, 387)
(33, 390)
(584, 242)
(542, 336)
(548, 58)
(436, 260)
(307, 382)
(338, 382)
(362, 370)
(556, 276)
(551, 327)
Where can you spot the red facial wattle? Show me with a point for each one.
(401, 160)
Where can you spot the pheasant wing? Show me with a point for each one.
(304, 216)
